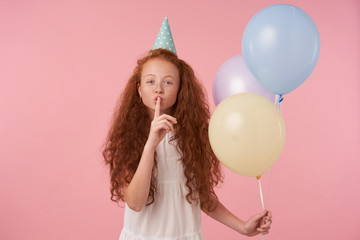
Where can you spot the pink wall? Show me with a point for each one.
(64, 64)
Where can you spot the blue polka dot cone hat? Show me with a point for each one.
(164, 38)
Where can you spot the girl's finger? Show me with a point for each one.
(265, 226)
(157, 108)
(260, 230)
(162, 127)
(166, 123)
(169, 118)
(160, 124)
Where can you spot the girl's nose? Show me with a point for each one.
(159, 88)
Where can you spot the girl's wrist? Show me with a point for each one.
(149, 147)
(241, 228)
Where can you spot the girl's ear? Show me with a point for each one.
(138, 88)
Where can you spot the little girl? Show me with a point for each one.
(161, 163)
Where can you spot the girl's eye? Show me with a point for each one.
(168, 82)
(150, 81)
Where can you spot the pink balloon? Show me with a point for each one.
(234, 77)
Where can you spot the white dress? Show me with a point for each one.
(171, 216)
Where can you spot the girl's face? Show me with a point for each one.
(159, 78)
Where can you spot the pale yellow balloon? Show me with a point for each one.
(247, 133)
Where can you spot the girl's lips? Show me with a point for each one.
(155, 99)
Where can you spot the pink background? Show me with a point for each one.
(63, 65)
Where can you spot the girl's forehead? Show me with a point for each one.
(158, 67)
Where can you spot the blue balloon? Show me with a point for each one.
(281, 46)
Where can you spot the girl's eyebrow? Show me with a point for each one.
(169, 76)
(150, 74)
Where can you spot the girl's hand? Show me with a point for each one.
(258, 224)
(160, 125)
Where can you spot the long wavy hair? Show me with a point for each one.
(125, 141)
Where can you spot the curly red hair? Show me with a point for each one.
(125, 141)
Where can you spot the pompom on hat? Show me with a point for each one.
(164, 38)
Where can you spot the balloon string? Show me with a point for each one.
(278, 105)
(261, 199)
(260, 193)
(278, 101)
(268, 191)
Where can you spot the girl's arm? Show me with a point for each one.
(137, 191)
(254, 226)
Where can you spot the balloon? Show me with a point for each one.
(281, 46)
(247, 133)
(234, 77)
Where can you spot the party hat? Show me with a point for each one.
(164, 38)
